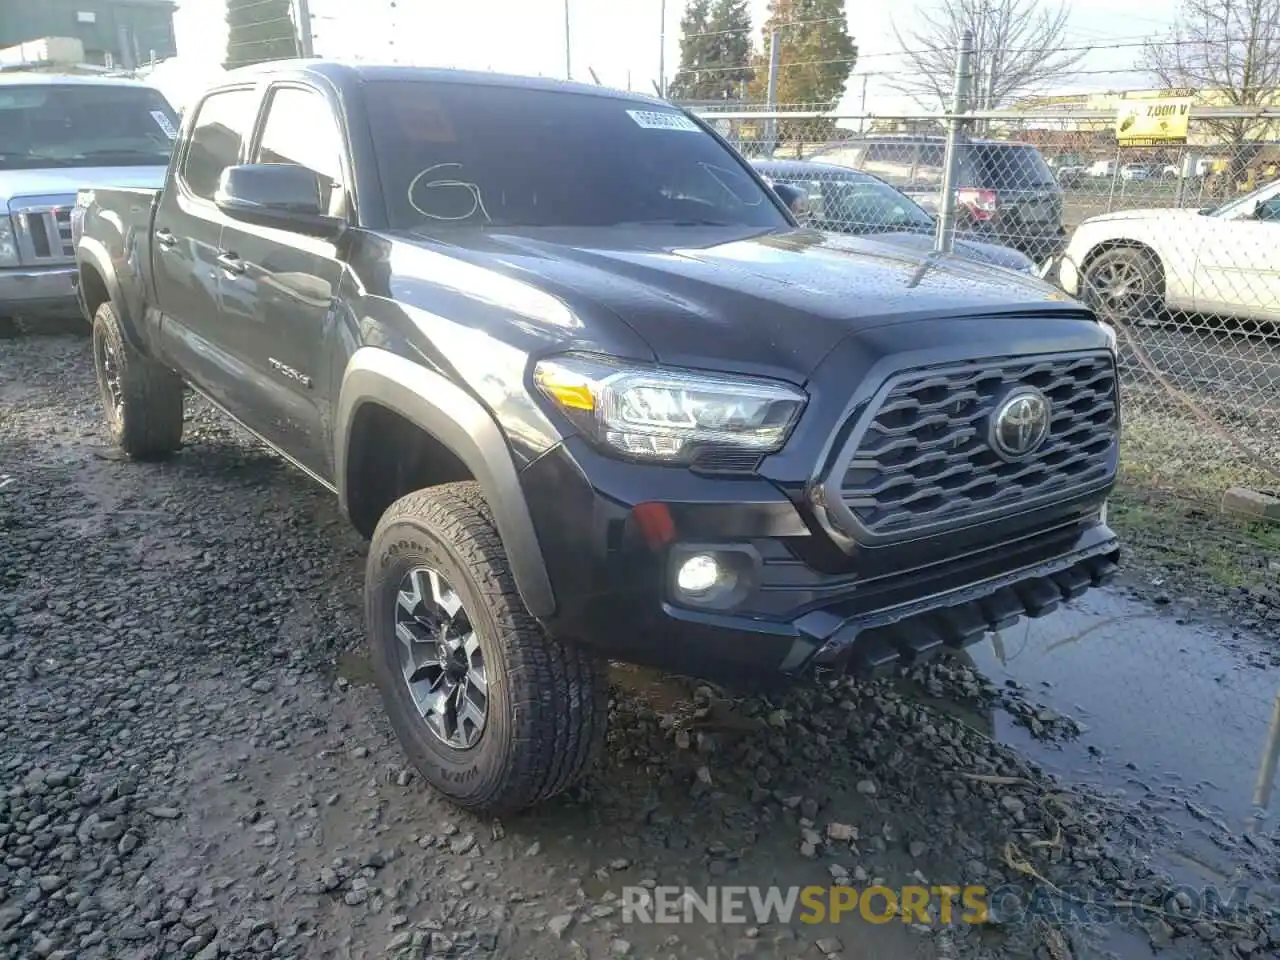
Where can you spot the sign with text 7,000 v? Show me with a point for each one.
(1146, 123)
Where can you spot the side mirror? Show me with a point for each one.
(280, 195)
(796, 199)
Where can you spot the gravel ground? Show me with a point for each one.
(193, 762)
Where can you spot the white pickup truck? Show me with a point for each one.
(59, 134)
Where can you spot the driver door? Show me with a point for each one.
(1237, 270)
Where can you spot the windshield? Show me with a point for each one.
(857, 206)
(487, 155)
(1000, 166)
(84, 125)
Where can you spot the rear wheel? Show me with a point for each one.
(494, 713)
(142, 399)
(1124, 283)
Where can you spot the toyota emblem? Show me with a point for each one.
(1020, 423)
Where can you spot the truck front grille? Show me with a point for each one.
(926, 456)
(42, 227)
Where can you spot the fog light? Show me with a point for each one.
(698, 574)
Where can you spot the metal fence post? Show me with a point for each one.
(946, 237)
(771, 93)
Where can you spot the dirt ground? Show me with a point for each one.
(193, 762)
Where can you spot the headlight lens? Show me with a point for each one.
(652, 413)
(8, 244)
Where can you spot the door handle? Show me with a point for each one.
(164, 236)
(230, 263)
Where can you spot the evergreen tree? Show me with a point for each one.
(730, 40)
(259, 30)
(696, 52)
(715, 51)
(816, 56)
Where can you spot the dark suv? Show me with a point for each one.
(1005, 191)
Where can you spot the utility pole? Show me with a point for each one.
(862, 121)
(568, 64)
(302, 18)
(662, 49)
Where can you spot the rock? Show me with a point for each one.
(841, 832)
(462, 844)
(917, 849)
(867, 788)
(619, 948)
(164, 813)
(558, 925)
(1160, 932)
(1012, 804)
(829, 946)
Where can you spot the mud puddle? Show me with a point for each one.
(1178, 717)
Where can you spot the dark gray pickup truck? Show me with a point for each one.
(592, 392)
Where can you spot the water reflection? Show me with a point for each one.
(1183, 718)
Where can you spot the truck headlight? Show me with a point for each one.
(8, 243)
(668, 415)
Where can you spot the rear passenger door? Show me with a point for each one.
(186, 237)
(279, 288)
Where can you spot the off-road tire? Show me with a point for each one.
(548, 698)
(145, 419)
(1146, 306)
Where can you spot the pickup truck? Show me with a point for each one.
(58, 134)
(593, 393)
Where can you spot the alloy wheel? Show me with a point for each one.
(440, 658)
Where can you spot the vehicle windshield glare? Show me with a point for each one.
(1246, 203)
(480, 155)
(84, 125)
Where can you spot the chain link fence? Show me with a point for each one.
(1177, 247)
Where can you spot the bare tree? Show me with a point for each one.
(1229, 52)
(1018, 47)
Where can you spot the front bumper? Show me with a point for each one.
(611, 544)
(30, 291)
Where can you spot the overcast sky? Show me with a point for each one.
(619, 39)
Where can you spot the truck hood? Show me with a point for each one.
(65, 181)
(751, 299)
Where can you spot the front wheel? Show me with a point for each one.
(494, 713)
(1124, 283)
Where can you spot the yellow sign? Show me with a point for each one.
(1150, 123)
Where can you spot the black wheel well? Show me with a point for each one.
(389, 456)
(94, 289)
(1123, 244)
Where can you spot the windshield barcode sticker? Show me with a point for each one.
(165, 124)
(662, 120)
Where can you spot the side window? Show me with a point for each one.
(222, 123)
(301, 129)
